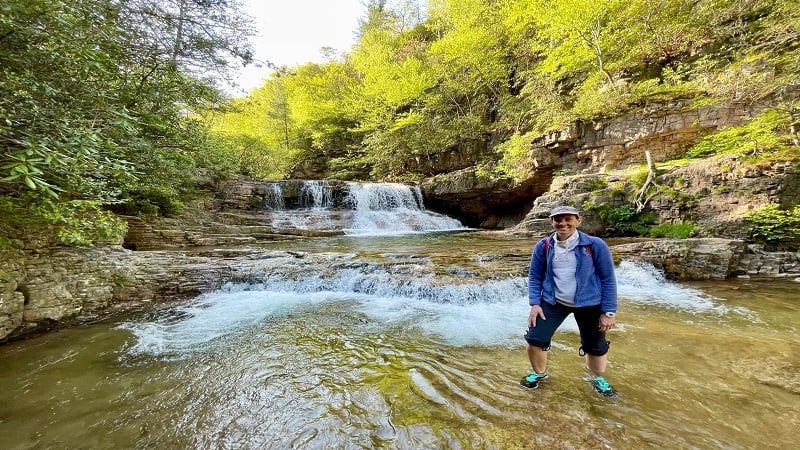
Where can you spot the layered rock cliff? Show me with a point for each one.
(592, 163)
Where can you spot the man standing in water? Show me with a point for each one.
(571, 273)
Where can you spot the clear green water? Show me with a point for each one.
(705, 365)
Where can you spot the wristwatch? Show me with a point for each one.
(610, 314)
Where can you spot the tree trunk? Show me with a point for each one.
(176, 48)
(640, 201)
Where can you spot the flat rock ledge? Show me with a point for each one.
(47, 289)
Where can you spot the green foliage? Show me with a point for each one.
(516, 161)
(678, 196)
(671, 230)
(639, 177)
(82, 223)
(763, 137)
(154, 200)
(121, 280)
(774, 226)
(77, 222)
(98, 103)
(623, 220)
(318, 99)
(55, 128)
(596, 184)
(350, 167)
(413, 88)
(5, 277)
(563, 172)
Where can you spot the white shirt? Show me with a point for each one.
(564, 267)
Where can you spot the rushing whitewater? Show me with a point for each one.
(364, 209)
(484, 313)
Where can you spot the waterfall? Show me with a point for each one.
(352, 208)
(316, 194)
(273, 198)
(383, 196)
(392, 208)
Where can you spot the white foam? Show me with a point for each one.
(484, 313)
(393, 208)
(202, 321)
(369, 209)
(641, 283)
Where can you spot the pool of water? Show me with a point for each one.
(306, 364)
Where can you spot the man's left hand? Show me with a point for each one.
(607, 323)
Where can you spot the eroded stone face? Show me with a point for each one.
(582, 149)
(11, 311)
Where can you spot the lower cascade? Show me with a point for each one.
(408, 298)
(353, 208)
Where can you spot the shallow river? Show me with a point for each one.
(307, 364)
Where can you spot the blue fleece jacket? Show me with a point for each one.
(594, 274)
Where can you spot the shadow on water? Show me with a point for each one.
(365, 360)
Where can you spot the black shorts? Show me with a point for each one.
(593, 341)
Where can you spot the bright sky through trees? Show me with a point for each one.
(292, 33)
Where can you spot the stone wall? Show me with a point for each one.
(44, 287)
(12, 297)
(688, 259)
(714, 196)
(717, 195)
(666, 131)
(479, 202)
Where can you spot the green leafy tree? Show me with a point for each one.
(63, 119)
(92, 106)
(470, 59)
(259, 133)
(775, 226)
(319, 99)
(394, 82)
(417, 86)
(199, 38)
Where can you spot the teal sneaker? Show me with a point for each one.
(602, 387)
(532, 381)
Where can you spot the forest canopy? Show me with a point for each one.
(114, 105)
(465, 73)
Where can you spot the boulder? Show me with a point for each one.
(687, 259)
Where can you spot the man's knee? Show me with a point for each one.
(538, 343)
(598, 348)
